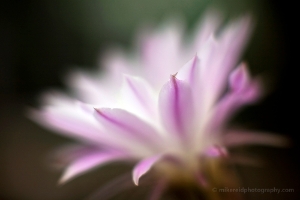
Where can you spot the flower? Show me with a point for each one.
(151, 111)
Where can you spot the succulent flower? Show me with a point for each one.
(151, 111)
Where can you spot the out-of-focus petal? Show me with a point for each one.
(122, 124)
(72, 122)
(239, 78)
(56, 98)
(243, 90)
(230, 44)
(143, 167)
(90, 90)
(78, 122)
(206, 28)
(67, 154)
(176, 108)
(158, 52)
(248, 160)
(241, 84)
(216, 151)
(241, 137)
(138, 98)
(116, 63)
(87, 163)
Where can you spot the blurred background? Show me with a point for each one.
(41, 40)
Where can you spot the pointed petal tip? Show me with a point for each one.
(143, 167)
(136, 181)
(173, 76)
(96, 109)
(64, 179)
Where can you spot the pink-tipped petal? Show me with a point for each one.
(177, 108)
(87, 163)
(143, 167)
(138, 97)
(241, 84)
(239, 78)
(243, 90)
(216, 151)
(229, 47)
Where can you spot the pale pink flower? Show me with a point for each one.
(150, 110)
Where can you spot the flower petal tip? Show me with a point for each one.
(173, 76)
(64, 179)
(143, 167)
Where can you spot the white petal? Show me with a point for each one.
(207, 27)
(69, 121)
(159, 52)
(91, 89)
(138, 98)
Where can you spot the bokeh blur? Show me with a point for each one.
(41, 40)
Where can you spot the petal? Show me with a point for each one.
(216, 151)
(249, 90)
(176, 108)
(87, 163)
(69, 121)
(208, 26)
(240, 137)
(239, 78)
(248, 160)
(190, 73)
(56, 98)
(78, 122)
(113, 187)
(143, 167)
(243, 91)
(159, 52)
(67, 154)
(116, 62)
(89, 89)
(123, 124)
(138, 97)
(229, 47)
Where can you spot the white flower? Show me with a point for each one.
(151, 111)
